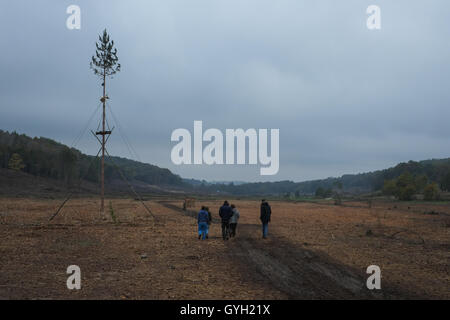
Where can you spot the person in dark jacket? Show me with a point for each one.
(265, 217)
(209, 221)
(202, 221)
(225, 213)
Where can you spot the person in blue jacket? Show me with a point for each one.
(202, 220)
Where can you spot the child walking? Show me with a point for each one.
(202, 220)
(234, 221)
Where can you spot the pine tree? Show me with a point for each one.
(104, 63)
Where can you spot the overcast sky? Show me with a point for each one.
(346, 99)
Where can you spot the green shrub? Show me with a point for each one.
(431, 192)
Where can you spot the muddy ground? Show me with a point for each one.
(314, 251)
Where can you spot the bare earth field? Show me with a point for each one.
(314, 251)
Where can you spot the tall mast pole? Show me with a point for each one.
(104, 64)
(102, 206)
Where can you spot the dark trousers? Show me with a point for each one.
(233, 229)
(225, 229)
(265, 229)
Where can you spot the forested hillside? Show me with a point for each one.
(415, 176)
(47, 158)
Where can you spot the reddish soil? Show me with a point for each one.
(314, 251)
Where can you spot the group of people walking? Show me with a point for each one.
(229, 216)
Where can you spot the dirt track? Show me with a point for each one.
(297, 272)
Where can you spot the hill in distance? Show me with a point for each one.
(419, 174)
(48, 159)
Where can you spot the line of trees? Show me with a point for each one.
(428, 177)
(406, 186)
(47, 158)
(40, 157)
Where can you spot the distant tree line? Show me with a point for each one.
(406, 186)
(428, 177)
(47, 158)
(323, 193)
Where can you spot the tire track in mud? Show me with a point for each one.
(297, 272)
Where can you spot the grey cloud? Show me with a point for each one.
(345, 99)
